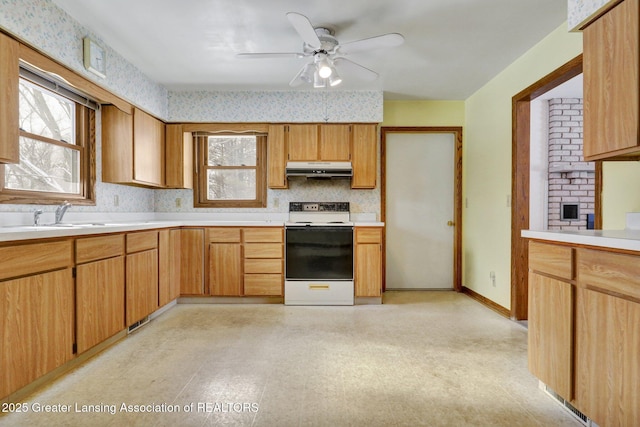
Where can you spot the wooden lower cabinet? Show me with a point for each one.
(142, 285)
(551, 332)
(225, 269)
(192, 259)
(169, 244)
(100, 301)
(368, 262)
(246, 261)
(607, 338)
(583, 332)
(36, 327)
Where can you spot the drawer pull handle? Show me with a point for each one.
(318, 287)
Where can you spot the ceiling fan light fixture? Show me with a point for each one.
(319, 82)
(334, 79)
(325, 68)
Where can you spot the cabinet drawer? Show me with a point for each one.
(143, 241)
(263, 284)
(551, 259)
(263, 235)
(257, 265)
(618, 274)
(224, 235)
(102, 247)
(263, 250)
(368, 235)
(22, 260)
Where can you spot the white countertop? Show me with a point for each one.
(15, 233)
(615, 239)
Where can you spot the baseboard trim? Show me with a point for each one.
(487, 302)
(230, 300)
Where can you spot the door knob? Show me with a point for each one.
(451, 223)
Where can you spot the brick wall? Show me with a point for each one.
(571, 180)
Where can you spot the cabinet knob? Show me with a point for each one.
(450, 223)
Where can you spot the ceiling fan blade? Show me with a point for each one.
(271, 55)
(303, 26)
(350, 67)
(377, 42)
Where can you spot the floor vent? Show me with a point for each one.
(569, 407)
(140, 323)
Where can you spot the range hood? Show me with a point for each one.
(319, 170)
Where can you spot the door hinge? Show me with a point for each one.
(74, 348)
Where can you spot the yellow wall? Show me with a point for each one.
(620, 192)
(487, 164)
(423, 113)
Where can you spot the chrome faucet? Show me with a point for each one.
(36, 217)
(61, 210)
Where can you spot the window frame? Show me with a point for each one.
(85, 143)
(200, 173)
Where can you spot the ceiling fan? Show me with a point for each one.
(327, 53)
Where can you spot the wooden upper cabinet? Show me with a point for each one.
(364, 156)
(335, 142)
(148, 149)
(277, 157)
(357, 143)
(610, 65)
(9, 114)
(132, 148)
(303, 142)
(178, 157)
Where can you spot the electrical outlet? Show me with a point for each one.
(276, 202)
(116, 200)
(508, 201)
(178, 202)
(492, 276)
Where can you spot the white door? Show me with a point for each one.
(419, 203)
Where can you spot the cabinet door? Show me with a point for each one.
(607, 366)
(178, 157)
(364, 156)
(169, 265)
(335, 142)
(302, 142)
(117, 145)
(551, 333)
(192, 261)
(611, 61)
(141, 284)
(100, 302)
(276, 157)
(225, 269)
(9, 114)
(368, 274)
(148, 149)
(36, 327)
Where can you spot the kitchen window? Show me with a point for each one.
(231, 170)
(56, 140)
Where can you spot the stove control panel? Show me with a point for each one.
(319, 207)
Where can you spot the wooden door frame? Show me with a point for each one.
(457, 196)
(520, 168)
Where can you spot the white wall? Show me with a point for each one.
(539, 161)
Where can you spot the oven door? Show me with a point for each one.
(319, 253)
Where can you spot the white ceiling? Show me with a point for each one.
(451, 49)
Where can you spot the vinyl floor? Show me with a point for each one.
(419, 359)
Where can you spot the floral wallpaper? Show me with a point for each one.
(48, 28)
(276, 106)
(579, 11)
